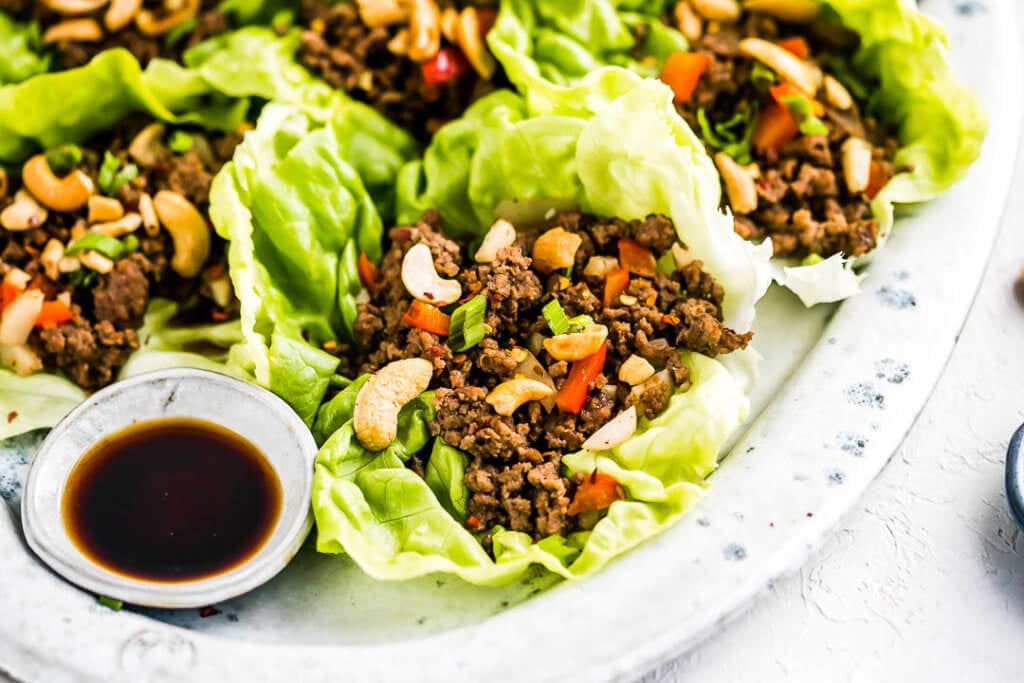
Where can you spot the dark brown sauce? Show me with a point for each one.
(171, 500)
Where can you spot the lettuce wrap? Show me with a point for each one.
(396, 524)
(939, 121)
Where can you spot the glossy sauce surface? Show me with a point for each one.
(174, 499)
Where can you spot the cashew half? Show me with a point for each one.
(681, 255)
(508, 396)
(69, 193)
(468, 37)
(635, 370)
(73, 30)
(120, 13)
(148, 23)
(24, 214)
(422, 281)
(375, 417)
(188, 230)
(718, 10)
(796, 11)
(50, 258)
(20, 316)
(500, 235)
(122, 226)
(424, 30)
(104, 209)
(801, 73)
(146, 147)
(74, 6)
(738, 184)
(556, 249)
(577, 345)
(856, 164)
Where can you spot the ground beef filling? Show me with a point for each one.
(107, 307)
(803, 202)
(365, 62)
(515, 476)
(95, 38)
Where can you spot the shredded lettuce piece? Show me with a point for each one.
(22, 48)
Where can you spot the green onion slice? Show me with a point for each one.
(800, 107)
(580, 322)
(64, 159)
(110, 247)
(180, 142)
(555, 317)
(111, 176)
(466, 328)
(112, 603)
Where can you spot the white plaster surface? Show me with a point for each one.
(924, 579)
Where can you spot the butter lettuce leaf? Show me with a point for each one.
(22, 48)
(307, 191)
(397, 525)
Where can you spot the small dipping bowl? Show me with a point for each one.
(253, 413)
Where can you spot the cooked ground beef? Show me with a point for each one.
(356, 58)
(804, 204)
(208, 21)
(107, 308)
(515, 476)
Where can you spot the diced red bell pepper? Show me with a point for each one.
(775, 127)
(596, 492)
(369, 273)
(427, 317)
(615, 283)
(573, 394)
(796, 46)
(53, 313)
(637, 259)
(682, 72)
(877, 179)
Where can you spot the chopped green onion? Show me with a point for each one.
(130, 243)
(733, 136)
(180, 142)
(812, 260)
(466, 328)
(111, 176)
(800, 107)
(64, 158)
(555, 317)
(180, 31)
(761, 76)
(94, 241)
(580, 322)
(111, 603)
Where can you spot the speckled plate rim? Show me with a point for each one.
(788, 481)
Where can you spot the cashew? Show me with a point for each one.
(149, 220)
(123, 226)
(96, 261)
(424, 30)
(600, 266)
(688, 22)
(120, 13)
(837, 94)
(399, 45)
(148, 23)
(69, 264)
(375, 417)
(577, 345)
(188, 230)
(53, 252)
(718, 10)
(104, 209)
(422, 281)
(803, 74)
(449, 24)
(681, 256)
(614, 432)
(74, 6)
(508, 396)
(375, 13)
(146, 147)
(856, 164)
(24, 214)
(555, 249)
(738, 184)
(69, 193)
(79, 230)
(21, 359)
(220, 290)
(20, 316)
(468, 38)
(499, 236)
(531, 368)
(635, 370)
(796, 11)
(73, 31)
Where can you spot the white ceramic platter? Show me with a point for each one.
(842, 386)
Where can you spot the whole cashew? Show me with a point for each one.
(73, 30)
(69, 193)
(508, 396)
(377, 405)
(577, 345)
(188, 230)
(499, 236)
(422, 281)
(120, 13)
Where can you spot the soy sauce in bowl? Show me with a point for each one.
(171, 499)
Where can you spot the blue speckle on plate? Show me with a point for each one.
(232, 617)
(865, 395)
(836, 477)
(900, 299)
(969, 7)
(852, 443)
(734, 552)
(892, 371)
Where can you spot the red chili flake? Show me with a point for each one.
(473, 523)
(436, 350)
(219, 316)
(12, 416)
(208, 611)
(428, 295)
(771, 524)
(810, 514)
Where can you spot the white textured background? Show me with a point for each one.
(924, 578)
